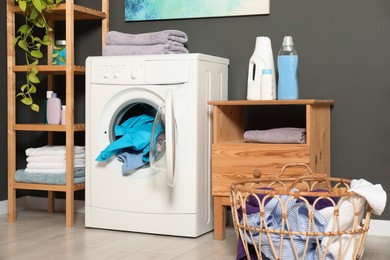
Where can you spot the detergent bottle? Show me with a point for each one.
(288, 70)
(262, 59)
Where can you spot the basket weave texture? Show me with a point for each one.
(302, 216)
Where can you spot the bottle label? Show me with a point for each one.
(288, 77)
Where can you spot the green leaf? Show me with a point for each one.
(32, 89)
(27, 101)
(22, 88)
(23, 29)
(22, 5)
(35, 107)
(39, 22)
(16, 39)
(34, 70)
(36, 54)
(34, 63)
(33, 14)
(33, 78)
(37, 4)
(22, 44)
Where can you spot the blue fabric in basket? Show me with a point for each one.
(48, 178)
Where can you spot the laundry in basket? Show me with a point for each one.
(310, 216)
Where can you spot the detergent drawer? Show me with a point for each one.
(135, 71)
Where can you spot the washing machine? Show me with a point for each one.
(171, 194)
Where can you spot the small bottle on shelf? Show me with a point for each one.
(63, 115)
(59, 57)
(53, 110)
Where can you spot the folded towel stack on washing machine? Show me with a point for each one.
(162, 42)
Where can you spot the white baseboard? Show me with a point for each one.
(377, 227)
(31, 202)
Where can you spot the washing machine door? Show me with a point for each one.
(162, 145)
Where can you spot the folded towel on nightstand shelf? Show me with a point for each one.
(286, 135)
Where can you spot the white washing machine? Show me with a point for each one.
(172, 194)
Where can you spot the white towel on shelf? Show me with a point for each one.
(54, 165)
(50, 171)
(50, 150)
(53, 159)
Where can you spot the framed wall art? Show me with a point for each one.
(144, 10)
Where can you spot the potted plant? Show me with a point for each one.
(28, 38)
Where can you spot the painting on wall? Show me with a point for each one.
(143, 10)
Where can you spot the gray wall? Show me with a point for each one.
(344, 55)
(3, 103)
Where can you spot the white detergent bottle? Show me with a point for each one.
(261, 59)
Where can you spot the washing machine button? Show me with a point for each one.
(134, 74)
(106, 75)
(116, 75)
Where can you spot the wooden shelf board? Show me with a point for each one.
(271, 102)
(48, 128)
(47, 187)
(51, 69)
(80, 13)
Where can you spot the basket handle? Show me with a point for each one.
(314, 178)
(295, 164)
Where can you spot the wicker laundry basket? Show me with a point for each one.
(303, 216)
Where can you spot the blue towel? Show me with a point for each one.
(136, 132)
(131, 161)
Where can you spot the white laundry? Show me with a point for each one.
(339, 247)
(54, 165)
(51, 171)
(53, 158)
(50, 150)
(374, 194)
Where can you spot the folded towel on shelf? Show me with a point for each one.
(283, 135)
(116, 50)
(22, 176)
(161, 37)
(76, 171)
(79, 163)
(54, 158)
(50, 150)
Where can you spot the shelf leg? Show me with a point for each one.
(219, 218)
(11, 204)
(69, 209)
(51, 201)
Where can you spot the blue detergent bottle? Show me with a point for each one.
(288, 70)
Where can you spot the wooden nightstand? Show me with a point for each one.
(235, 160)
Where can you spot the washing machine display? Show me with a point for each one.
(171, 193)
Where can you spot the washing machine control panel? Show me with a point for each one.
(122, 71)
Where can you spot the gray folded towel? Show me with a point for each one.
(284, 135)
(161, 37)
(115, 50)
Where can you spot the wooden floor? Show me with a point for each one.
(40, 235)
